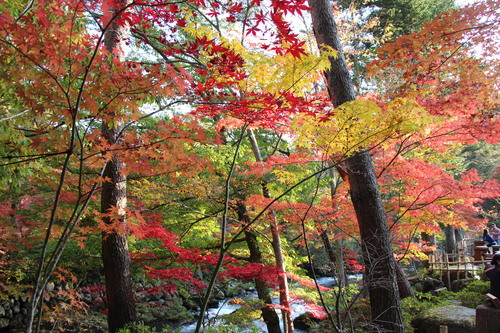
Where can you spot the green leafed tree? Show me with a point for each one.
(398, 17)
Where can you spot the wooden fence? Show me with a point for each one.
(454, 266)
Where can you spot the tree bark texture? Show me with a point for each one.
(380, 266)
(428, 240)
(404, 286)
(451, 242)
(378, 258)
(338, 79)
(268, 314)
(115, 253)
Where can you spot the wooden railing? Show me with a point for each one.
(453, 266)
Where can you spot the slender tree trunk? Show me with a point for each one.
(380, 266)
(268, 313)
(283, 281)
(336, 258)
(329, 249)
(115, 253)
(278, 251)
(340, 271)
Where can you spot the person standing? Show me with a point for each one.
(493, 275)
(495, 233)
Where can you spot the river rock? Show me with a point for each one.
(4, 322)
(458, 319)
(429, 285)
(50, 286)
(305, 321)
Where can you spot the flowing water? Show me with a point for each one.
(227, 307)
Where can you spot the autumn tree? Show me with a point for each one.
(70, 71)
(377, 252)
(354, 114)
(115, 253)
(462, 55)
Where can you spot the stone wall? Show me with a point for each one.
(14, 310)
(12, 313)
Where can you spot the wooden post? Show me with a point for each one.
(487, 319)
(494, 300)
(448, 275)
(443, 329)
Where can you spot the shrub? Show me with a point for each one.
(413, 307)
(472, 295)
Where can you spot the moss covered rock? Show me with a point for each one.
(458, 319)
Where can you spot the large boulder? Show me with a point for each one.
(458, 319)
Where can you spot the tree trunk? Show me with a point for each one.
(404, 286)
(459, 235)
(428, 240)
(115, 253)
(460, 240)
(336, 259)
(342, 280)
(268, 314)
(451, 243)
(278, 251)
(380, 266)
(329, 249)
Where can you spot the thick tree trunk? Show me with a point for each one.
(451, 243)
(268, 314)
(378, 257)
(428, 240)
(380, 266)
(115, 253)
(278, 251)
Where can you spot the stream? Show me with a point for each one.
(226, 307)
